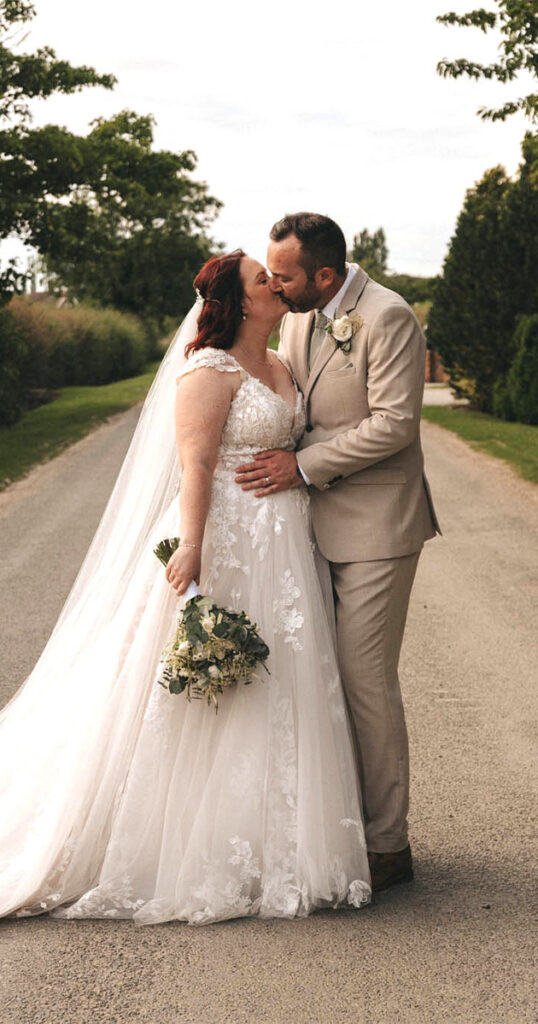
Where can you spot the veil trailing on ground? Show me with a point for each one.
(67, 735)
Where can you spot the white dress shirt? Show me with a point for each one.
(333, 304)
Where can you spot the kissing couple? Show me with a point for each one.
(294, 480)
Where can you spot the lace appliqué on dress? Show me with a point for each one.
(216, 358)
(287, 617)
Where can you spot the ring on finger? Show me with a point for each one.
(267, 481)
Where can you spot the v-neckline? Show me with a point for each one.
(292, 408)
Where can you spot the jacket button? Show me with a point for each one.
(309, 427)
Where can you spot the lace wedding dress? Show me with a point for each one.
(251, 811)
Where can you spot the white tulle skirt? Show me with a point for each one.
(159, 809)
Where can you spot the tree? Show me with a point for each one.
(412, 287)
(522, 378)
(489, 279)
(115, 222)
(24, 77)
(29, 76)
(518, 24)
(371, 251)
(132, 233)
(521, 229)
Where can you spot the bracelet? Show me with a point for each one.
(185, 544)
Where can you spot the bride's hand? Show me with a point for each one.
(182, 567)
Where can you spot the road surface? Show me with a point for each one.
(457, 945)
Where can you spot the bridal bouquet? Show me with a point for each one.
(211, 648)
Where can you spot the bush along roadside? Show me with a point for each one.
(515, 396)
(43, 348)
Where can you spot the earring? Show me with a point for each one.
(244, 316)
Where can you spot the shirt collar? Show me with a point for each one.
(330, 309)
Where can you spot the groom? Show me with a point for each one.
(357, 353)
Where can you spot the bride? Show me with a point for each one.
(121, 800)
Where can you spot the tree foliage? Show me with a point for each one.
(515, 396)
(522, 377)
(489, 279)
(132, 233)
(371, 251)
(517, 21)
(25, 77)
(113, 221)
(412, 287)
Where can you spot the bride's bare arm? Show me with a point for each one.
(202, 405)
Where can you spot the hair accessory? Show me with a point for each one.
(206, 298)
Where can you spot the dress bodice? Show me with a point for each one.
(258, 419)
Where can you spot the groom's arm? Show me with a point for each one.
(396, 356)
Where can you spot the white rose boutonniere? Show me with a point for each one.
(343, 328)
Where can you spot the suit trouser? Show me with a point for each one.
(371, 600)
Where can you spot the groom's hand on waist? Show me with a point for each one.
(270, 472)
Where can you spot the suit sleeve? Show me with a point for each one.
(396, 357)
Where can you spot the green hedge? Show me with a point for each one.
(515, 396)
(15, 363)
(46, 348)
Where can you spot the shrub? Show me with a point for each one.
(14, 364)
(489, 280)
(78, 345)
(502, 406)
(522, 377)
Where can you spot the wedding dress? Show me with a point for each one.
(183, 813)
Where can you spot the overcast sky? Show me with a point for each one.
(296, 105)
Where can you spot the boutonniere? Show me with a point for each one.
(342, 329)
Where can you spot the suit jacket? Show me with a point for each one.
(361, 449)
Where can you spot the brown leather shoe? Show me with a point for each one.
(389, 869)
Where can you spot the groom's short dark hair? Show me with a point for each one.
(322, 241)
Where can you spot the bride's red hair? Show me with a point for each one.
(220, 286)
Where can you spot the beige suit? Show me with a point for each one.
(372, 511)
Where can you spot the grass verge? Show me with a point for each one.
(516, 443)
(44, 432)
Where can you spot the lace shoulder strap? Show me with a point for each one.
(216, 358)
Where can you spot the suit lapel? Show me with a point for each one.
(303, 342)
(354, 292)
(328, 348)
(326, 352)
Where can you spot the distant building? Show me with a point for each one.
(435, 373)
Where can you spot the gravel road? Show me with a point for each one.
(441, 394)
(457, 945)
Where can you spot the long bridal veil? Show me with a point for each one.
(67, 735)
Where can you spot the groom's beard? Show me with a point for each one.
(310, 299)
